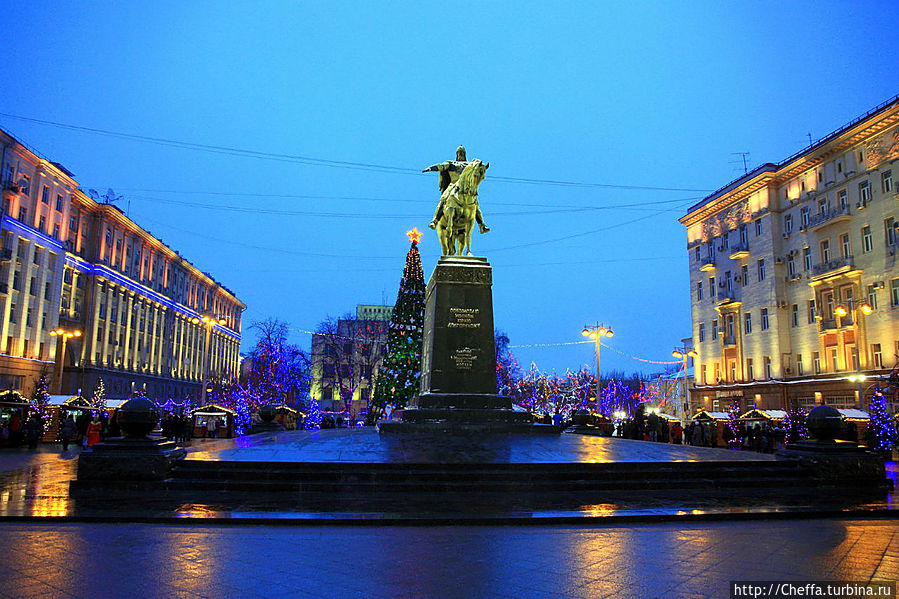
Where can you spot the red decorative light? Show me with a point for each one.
(414, 235)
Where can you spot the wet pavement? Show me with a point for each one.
(365, 445)
(35, 485)
(663, 560)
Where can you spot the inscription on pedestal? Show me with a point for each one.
(465, 357)
(464, 318)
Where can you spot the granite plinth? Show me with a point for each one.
(121, 459)
(839, 462)
(465, 401)
(265, 427)
(458, 347)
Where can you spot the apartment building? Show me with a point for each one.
(86, 293)
(346, 356)
(793, 275)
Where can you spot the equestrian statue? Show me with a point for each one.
(458, 209)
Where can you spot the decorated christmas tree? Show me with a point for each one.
(883, 429)
(98, 400)
(733, 423)
(40, 399)
(313, 415)
(397, 380)
(794, 425)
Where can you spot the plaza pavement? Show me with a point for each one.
(93, 561)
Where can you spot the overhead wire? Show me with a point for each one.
(312, 160)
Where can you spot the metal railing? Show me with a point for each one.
(819, 220)
(820, 269)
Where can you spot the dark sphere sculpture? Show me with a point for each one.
(581, 417)
(267, 413)
(137, 417)
(824, 423)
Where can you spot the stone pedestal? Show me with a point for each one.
(458, 374)
(127, 459)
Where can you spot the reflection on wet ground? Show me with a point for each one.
(35, 484)
(366, 446)
(681, 559)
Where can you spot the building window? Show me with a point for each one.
(804, 217)
(697, 252)
(872, 296)
(747, 323)
(825, 251)
(894, 292)
(799, 364)
(711, 286)
(767, 367)
(45, 194)
(699, 291)
(701, 332)
(733, 370)
(26, 185)
(73, 224)
(32, 289)
(714, 328)
(844, 200)
(886, 181)
(42, 226)
(864, 192)
(47, 288)
(867, 240)
(744, 236)
(823, 206)
(788, 224)
(889, 231)
(791, 265)
(807, 258)
(845, 245)
(811, 311)
(758, 227)
(702, 370)
(728, 282)
(877, 355)
(794, 315)
(764, 319)
(761, 269)
(59, 202)
(744, 275)
(749, 376)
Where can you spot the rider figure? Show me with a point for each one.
(449, 173)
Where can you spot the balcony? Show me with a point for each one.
(725, 296)
(834, 267)
(740, 251)
(827, 324)
(707, 264)
(5, 255)
(729, 341)
(832, 216)
(4, 288)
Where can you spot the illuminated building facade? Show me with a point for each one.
(71, 263)
(793, 275)
(345, 360)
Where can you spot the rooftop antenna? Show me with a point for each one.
(809, 139)
(745, 159)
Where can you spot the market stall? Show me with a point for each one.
(13, 410)
(224, 419)
(287, 417)
(715, 423)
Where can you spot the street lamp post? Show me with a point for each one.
(64, 335)
(685, 354)
(852, 307)
(596, 332)
(208, 322)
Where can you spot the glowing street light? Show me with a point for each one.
(64, 335)
(597, 332)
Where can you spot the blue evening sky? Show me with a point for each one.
(629, 94)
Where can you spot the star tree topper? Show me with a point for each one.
(414, 235)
